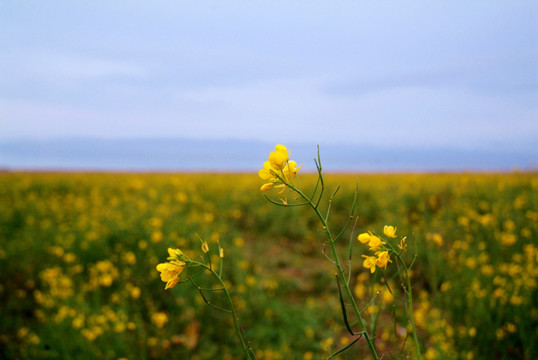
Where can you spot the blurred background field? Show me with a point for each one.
(78, 253)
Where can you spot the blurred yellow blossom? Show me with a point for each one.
(402, 245)
(364, 238)
(383, 259)
(369, 262)
(374, 242)
(159, 319)
(390, 231)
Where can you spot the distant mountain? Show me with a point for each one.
(241, 155)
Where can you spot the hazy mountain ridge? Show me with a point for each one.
(242, 155)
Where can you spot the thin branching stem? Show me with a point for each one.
(350, 252)
(247, 351)
(410, 312)
(408, 291)
(340, 271)
(370, 303)
(330, 205)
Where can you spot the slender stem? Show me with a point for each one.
(234, 316)
(409, 292)
(231, 310)
(339, 268)
(412, 317)
(351, 247)
(410, 309)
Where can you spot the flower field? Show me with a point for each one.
(78, 257)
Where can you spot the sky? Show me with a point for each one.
(458, 74)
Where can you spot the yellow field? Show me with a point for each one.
(78, 253)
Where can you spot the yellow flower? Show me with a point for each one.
(437, 239)
(278, 169)
(374, 242)
(364, 238)
(290, 170)
(205, 247)
(402, 245)
(383, 259)
(171, 270)
(175, 254)
(279, 157)
(159, 319)
(390, 231)
(369, 262)
(268, 173)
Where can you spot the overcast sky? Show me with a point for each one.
(444, 73)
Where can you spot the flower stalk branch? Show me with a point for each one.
(284, 180)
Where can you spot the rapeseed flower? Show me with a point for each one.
(390, 231)
(379, 248)
(374, 243)
(364, 238)
(383, 259)
(268, 173)
(402, 245)
(278, 170)
(171, 270)
(290, 170)
(279, 157)
(369, 262)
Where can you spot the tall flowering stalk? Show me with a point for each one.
(281, 173)
(278, 170)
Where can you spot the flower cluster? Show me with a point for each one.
(178, 261)
(278, 170)
(171, 270)
(381, 256)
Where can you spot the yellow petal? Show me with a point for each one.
(264, 174)
(281, 148)
(364, 238)
(171, 283)
(279, 157)
(161, 267)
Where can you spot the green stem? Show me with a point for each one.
(339, 269)
(409, 291)
(232, 311)
(410, 309)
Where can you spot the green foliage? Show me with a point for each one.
(78, 254)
